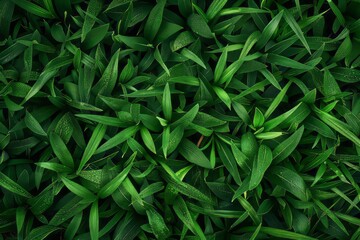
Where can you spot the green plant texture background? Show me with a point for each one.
(179, 119)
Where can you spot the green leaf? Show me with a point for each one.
(154, 20)
(12, 186)
(186, 80)
(277, 100)
(268, 135)
(49, 72)
(94, 220)
(157, 224)
(289, 18)
(147, 139)
(166, 103)
(107, 121)
(20, 218)
(7, 7)
(60, 168)
(220, 66)
(199, 26)
(182, 40)
(118, 139)
(269, 30)
(258, 119)
(193, 57)
(337, 12)
(136, 43)
(61, 151)
(289, 180)
(337, 125)
(348, 75)
(271, 78)
(42, 232)
(111, 186)
(158, 58)
(78, 190)
(224, 97)
(241, 10)
(182, 187)
(330, 86)
(229, 161)
(92, 145)
(272, 123)
(187, 118)
(93, 9)
(69, 209)
(108, 79)
(33, 8)
(214, 8)
(260, 165)
(287, 62)
(175, 138)
(286, 147)
(344, 50)
(95, 36)
(165, 141)
(34, 125)
(73, 227)
(331, 215)
(183, 213)
(255, 234)
(279, 233)
(193, 154)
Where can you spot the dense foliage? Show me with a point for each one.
(179, 119)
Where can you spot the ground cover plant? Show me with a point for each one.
(179, 119)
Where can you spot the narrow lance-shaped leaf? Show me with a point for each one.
(286, 147)
(34, 8)
(111, 186)
(147, 139)
(337, 125)
(222, 94)
(199, 26)
(193, 154)
(42, 232)
(183, 213)
(260, 165)
(228, 160)
(296, 28)
(154, 20)
(193, 57)
(92, 145)
(108, 80)
(289, 180)
(78, 190)
(20, 218)
(259, 118)
(94, 220)
(50, 70)
(214, 8)
(165, 140)
(331, 215)
(34, 125)
(166, 102)
(157, 224)
(220, 66)
(12, 186)
(158, 58)
(275, 103)
(93, 9)
(118, 139)
(61, 150)
(269, 30)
